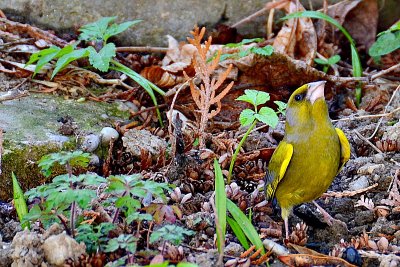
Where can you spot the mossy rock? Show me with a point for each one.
(30, 128)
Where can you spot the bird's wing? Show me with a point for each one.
(277, 167)
(344, 148)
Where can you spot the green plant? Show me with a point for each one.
(387, 41)
(94, 237)
(19, 202)
(326, 63)
(126, 242)
(251, 117)
(65, 191)
(263, 51)
(355, 59)
(220, 206)
(131, 193)
(99, 31)
(245, 225)
(171, 233)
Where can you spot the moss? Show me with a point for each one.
(22, 160)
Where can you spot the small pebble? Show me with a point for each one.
(358, 184)
(90, 143)
(107, 134)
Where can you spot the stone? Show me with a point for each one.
(27, 249)
(58, 248)
(358, 184)
(30, 130)
(136, 140)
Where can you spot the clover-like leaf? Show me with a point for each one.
(101, 60)
(268, 116)
(247, 117)
(263, 51)
(385, 44)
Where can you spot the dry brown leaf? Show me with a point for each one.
(359, 17)
(297, 38)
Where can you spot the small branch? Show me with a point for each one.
(142, 49)
(384, 111)
(348, 193)
(367, 141)
(369, 116)
(386, 71)
(251, 17)
(12, 26)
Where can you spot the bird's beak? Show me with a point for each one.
(315, 91)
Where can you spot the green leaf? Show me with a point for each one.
(19, 202)
(281, 107)
(220, 205)
(43, 57)
(95, 31)
(268, 116)
(321, 61)
(393, 28)
(186, 264)
(247, 117)
(172, 233)
(238, 233)
(243, 42)
(246, 226)
(68, 58)
(385, 44)
(333, 59)
(75, 158)
(101, 60)
(146, 84)
(118, 28)
(254, 97)
(263, 51)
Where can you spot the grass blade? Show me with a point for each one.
(245, 224)
(220, 205)
(238, 233)
(19, 201)
(355, 59)
(147, 85)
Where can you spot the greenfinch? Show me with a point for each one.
(310, 155)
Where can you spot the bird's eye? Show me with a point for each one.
(298, 97)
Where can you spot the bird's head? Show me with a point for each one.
(307, 105)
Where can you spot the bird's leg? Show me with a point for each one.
(327, 217)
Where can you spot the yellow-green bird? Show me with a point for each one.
(310, 155)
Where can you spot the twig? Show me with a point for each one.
(141, 49)
(348, 193)
(170, 132)
(384, 111)
(10, 26)
(367, 141)
(251, 17)
(369, 116)
(383, 72)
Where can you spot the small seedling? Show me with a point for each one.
(326, 63)
(171, 233)
(220, 206)
(387, 41)
(102, 60)
(263, 51)
(251, 117)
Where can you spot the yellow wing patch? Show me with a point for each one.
(344, 148)
(277, 168)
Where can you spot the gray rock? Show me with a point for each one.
(27, 249)
(90, 142)
(5, 254)
(233, 249)
(58, 248)
(360, 183)
(135, 140)
(107, 134)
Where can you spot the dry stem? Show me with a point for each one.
(206, 95)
